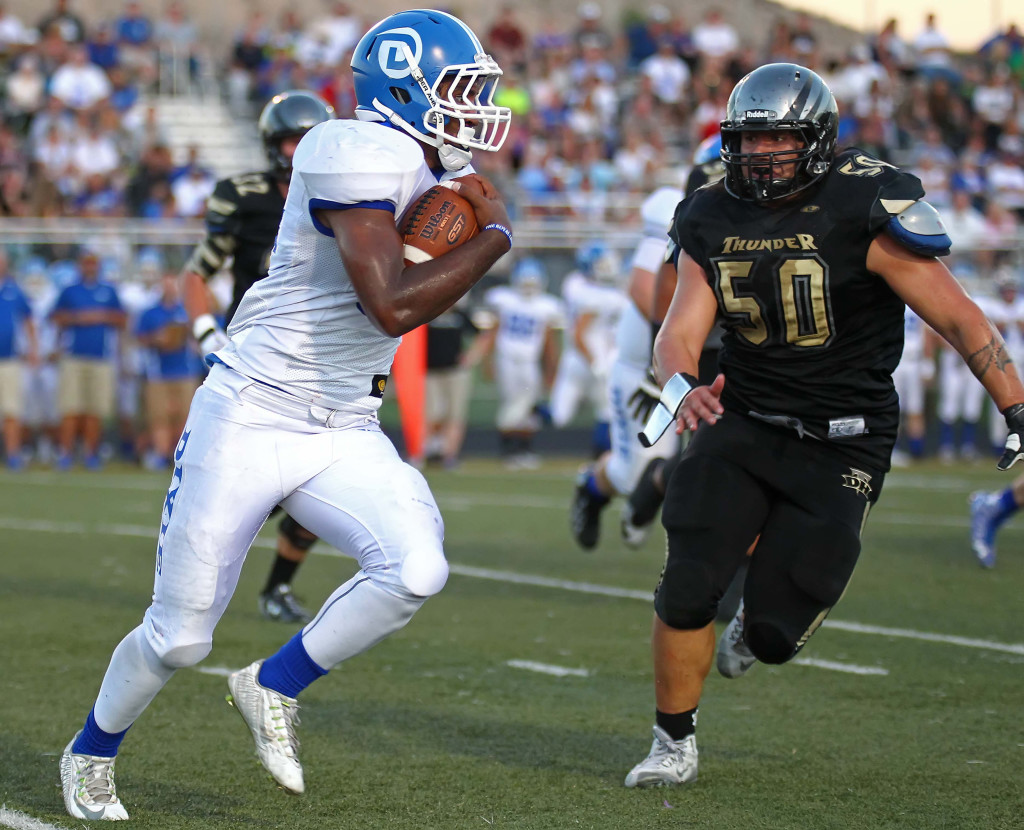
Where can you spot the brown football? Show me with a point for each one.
(439, 221)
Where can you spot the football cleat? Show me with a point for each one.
(88, 784)
(585, 513)
(669, 762)
(272, 718)
(734, 658)
(984, 509)
(280, 605)
(633, 535)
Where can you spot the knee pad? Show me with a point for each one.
(685, 598)
(184, 656)
(424, 572)
(296, 534)
(767, 642)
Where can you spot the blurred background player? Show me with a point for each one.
(616, 472)
(89, 315)
(242, 217)
(593, 300)
(1006, 310)
(17, 332)
(989, 510)
(915, 370)
(524, 352)
(41, 417)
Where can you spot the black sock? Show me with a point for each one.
(645, 500)
(281, 573)
(678, 726)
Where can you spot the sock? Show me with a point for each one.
(601, 438)
(1007, 507)
(281, 573)
(678, 726)
(646, 498)
(290, 670)
(593, 489)
(916, 446)
(94, 741)
(946, 436)
(967, 436)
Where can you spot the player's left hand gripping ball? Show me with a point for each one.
(1012, 451)
(439, 221)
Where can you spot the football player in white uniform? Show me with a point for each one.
(617, 470)
(593, 302)
(524, 351)
(916, 368)
(288, 414)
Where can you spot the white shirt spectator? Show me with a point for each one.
(669, 74)
(1006, 183)
(95, 153)
(25, 88)
(191, 192)
(994, 100)
(80, 84)
(964, 224)
(13, 32)
(931, 45)
(714, 38)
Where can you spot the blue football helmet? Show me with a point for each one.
(710, 149)
(597, 262)
(425, 72)
(529, 276)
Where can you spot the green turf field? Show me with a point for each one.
(439, 727)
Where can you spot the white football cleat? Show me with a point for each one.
(669, 762)
(734, 658)
(271, 717)
(88, 784)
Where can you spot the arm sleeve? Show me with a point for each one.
(223, 223)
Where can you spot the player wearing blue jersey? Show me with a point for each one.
(288, 414)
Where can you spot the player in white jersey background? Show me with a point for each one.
(915, 370)
(593, 299)
(524, 354)
(617, 470)
(288, 414)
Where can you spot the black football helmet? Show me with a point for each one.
(290, 114)
(778, 96)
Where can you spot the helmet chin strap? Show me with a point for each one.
(453, 158)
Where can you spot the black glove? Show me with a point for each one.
(1014, 448)
(645, 397)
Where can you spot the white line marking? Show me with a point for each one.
(832, 665)
(21, 821)
(216, 671)
(78, 528)
(547, 668)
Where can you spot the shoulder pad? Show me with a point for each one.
(919, 228)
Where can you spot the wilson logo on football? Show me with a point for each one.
(437, 224)
(455, 231)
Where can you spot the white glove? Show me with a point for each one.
(208, 334)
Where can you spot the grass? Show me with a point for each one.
(434, 729)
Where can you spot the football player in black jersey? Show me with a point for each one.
(809, 258)
(242, 217)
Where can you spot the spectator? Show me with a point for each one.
(589, 32)
(507, 40)
(78, 83)
(891, 50)
(102, 49)
(14, 35)
(64, 22)
(134, 34)
(177, 42)
(16, 326)
(191, 191)
(170, 370)
(24, 91)
(994, 101)
(670, 77)
(340, 31)
(964, 224)
(453, 351)
(93, 150)
(716, 42)
(645, 33)
(1005, 180)
(804, 42)
(932, 49)
(55, 156)
(87, 313)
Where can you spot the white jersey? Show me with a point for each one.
(606, 303)
(523, 320)
(633, 338)
(301, 328)
(913, 335)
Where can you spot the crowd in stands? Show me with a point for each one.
(602, 108)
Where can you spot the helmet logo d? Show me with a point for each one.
(392, 54)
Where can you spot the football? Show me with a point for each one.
(439, 221)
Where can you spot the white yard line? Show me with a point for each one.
(512, 577)
(547, 668)
(21, 821)
(832, 665)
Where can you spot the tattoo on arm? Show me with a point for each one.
(991, 354)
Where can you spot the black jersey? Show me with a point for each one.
(242, 217)
(812, 337)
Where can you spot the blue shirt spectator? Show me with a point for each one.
(133, 27)
(88, 312)
(164, 329)
(14, 311)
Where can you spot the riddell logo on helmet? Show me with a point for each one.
(394, 48)
(764, 115)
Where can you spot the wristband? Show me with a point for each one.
(675, 390)
(203, 325)
(494, 226)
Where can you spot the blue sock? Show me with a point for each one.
(593, 489)
(916, 446)
(945, 435)
(290, 670)
(94, 741)
(967, 435)
(1007, 507)
(601, 437)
